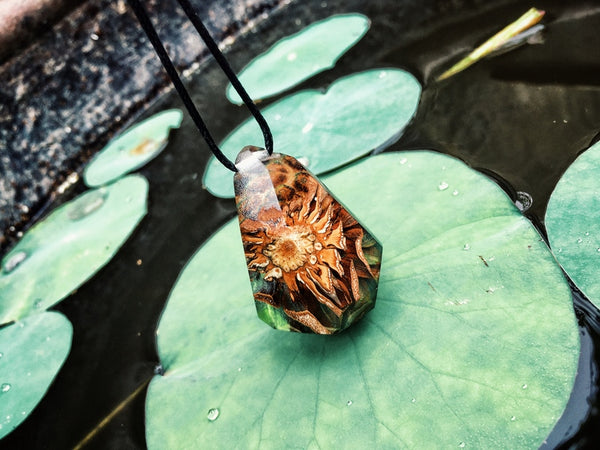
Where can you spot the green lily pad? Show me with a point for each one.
(61, 252)
(300, 56)
(31, 354)
(573, 222)
(358, 113)
(473, 341)
(132, 149)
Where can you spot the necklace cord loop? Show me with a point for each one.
(160, 50)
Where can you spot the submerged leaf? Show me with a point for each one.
(454, 351)
(65, 249)
(132, 149)
(358, 113)
(31, 354)
(573, 222)
(298, 57)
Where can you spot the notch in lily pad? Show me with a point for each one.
(62, 251)
(298, 57)
(132, 149)
(357, 114)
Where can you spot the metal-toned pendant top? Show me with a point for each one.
(312, 266)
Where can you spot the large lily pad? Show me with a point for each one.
(473, 342)
(31, 353)
(60, 253)
(298, 57)
(358, 113)
(573, 222)
(132, 149)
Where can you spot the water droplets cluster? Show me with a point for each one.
(581, 240)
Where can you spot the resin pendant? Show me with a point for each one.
(312, 266)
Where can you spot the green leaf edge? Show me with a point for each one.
(233, 96)
(574, 256)
(111, 155)
(59, 321)
(22, 310)
(213, 164)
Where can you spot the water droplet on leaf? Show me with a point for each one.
(403, 161)
(5, 387)
(87, 204)
(467, 247)
(349, 402)
(309, 126)
(213, 414)
(455, 192)
(523, 201)
(14, 261)
(443, 186)
(462, 445)
(579, 241)
(524, 386)
(513, 418)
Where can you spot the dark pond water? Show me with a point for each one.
(521, 118)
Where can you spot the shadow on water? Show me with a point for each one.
(521, 117)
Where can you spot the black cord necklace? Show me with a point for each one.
(313, 268)
(144, 20)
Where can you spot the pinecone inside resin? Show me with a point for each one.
(312, 266)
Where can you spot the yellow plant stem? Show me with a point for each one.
(527, 20)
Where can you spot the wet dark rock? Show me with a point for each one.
(25, 21)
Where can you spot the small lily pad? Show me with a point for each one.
(298, 57)
(65, 249)
(473, 342)
(358, 113)
(31, 353)
(573, 222)
(132, 149)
